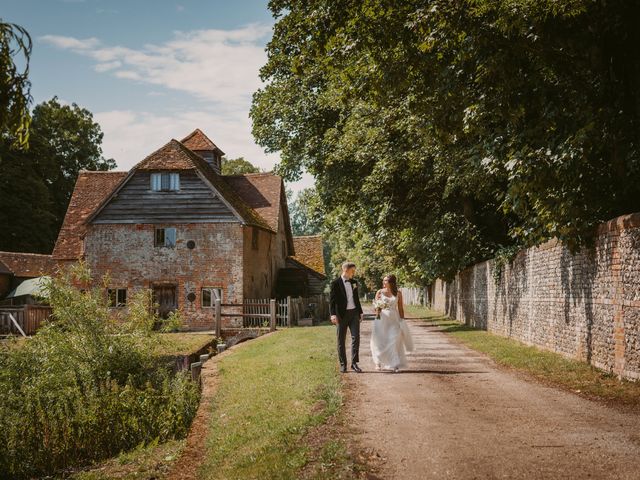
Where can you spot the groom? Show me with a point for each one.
(346, 312)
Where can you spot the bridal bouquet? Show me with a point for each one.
(380, 304)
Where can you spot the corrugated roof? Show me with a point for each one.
(309, 252)
(32, 286)
(28, 265)
(91, 189)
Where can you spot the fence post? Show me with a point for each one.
(289, 322)
(272, 308)
(196, 368)
(218, 314)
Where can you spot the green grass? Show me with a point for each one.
(271, 393)
(182, 343)
(546, 366)
(179, 343)
(151, 462)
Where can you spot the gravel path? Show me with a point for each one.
(453, 414)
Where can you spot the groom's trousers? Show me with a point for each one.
(351, 320)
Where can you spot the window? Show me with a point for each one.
(165, 237)
(165, 182)
(210, 295)
(254, 238)
(117, 297)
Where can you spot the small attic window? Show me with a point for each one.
(165, 182)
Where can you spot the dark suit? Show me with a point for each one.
(346, 318)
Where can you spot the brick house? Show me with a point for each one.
(173, 224)
(304, 273)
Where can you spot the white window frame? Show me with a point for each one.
(172, 180)
(215, 293)
(117, 291)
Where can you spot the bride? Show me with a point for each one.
(390, 336)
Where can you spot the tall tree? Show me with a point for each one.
(26, 219)
(238, 166)
(15, 88)
(64, 140)
(36, 184)
(449, 130)
(306, 213)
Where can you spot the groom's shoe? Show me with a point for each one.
(343, 369)
(356, 368)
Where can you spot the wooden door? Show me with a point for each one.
(165, 297)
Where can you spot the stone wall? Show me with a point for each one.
(584, 306)
(127, 254)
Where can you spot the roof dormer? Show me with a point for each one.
(202, 145)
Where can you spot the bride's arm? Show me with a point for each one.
(400, 305)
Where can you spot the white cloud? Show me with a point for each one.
(218, 68)
(130, 136)
(70, 43)
(106, 66)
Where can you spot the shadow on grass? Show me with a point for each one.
(424, 370)
(445, 324)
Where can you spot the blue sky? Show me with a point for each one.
(152, 70)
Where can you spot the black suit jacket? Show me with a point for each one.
(338, 297)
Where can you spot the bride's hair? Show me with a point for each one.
(393, 283)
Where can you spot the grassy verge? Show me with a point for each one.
(548, 367)
(151, 462)
(182, 343)
(270, 397)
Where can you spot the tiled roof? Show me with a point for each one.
(261, 191)
(309, 252)
(198, 141)
(91, 189)
(175, 156)
(264, 192)
(171, 156)
(257, 198)
(28, 264)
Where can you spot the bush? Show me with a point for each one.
(87, 386)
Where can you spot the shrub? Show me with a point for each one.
(87, 386)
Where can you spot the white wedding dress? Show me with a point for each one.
(390, 337)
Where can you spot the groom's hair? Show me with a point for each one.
(348, 265)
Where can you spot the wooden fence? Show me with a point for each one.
(28, 317)
(269, 313)
(315, 307)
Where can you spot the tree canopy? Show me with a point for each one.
(37, 183)
(15, 88)
(238, 166)
(441, 132)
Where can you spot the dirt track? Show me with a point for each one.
(453, 414)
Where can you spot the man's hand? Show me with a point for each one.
(361, 316)
(334, 319)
